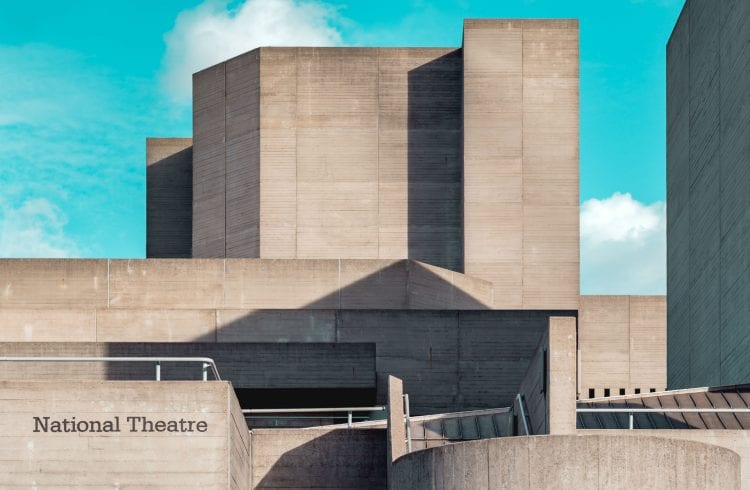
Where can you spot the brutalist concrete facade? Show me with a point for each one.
(466, 159)
(708, 193)
(342, 217)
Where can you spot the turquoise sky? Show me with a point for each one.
(80, 91)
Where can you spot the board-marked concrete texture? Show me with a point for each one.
(737, 441)
(521, 160)
(549, 385)
(319, 458)
(168, 284)
(274, 172)
(332, 153)
(169, 197)
(217, 457)
(708, 195)
(622, 344)
(570, 462)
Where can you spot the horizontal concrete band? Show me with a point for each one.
(237, 283)
(570, 462)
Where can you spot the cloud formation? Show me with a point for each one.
(623, 246)
(34, 229)
(72, 134)
(213, 32)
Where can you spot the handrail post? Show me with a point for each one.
(349, 419)
(158, 370)
(630, 420)
(205, 371)
(522, 410)
(407, 420)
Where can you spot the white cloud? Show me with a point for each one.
(623, 246)
(213, 32)
(34, 229)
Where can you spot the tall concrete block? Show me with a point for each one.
(521, 160)
(318, 110)
(169, 197)
(278, 153)
(550, 164)
(242, 161)
(493, 157)
(209, 162)
(708, 182)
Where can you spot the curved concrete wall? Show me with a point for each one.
(575, 462)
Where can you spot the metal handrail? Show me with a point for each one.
(522, 409)
(207, 362)
(248, 412)
(631, 411)
(407, 421)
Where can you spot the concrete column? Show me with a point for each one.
(561, 380)
(396, 428)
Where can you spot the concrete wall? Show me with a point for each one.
(232, 284)
(570, 462)
(319, 458)
(622, 344)
(708, 194)
(423, 320)
(734, 440)
(169, 197)
(138, 459)
(449, 360)
(521, 160)
(226, 158)
(330, 153)
(465, 159)
(549, 385)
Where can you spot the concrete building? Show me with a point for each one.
(708, 194)
(346, 227)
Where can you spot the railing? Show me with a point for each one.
(522, 409)
(249, 412)
(631, 411)
(407, 421)
(207, 362)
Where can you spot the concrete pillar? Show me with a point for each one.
(561, 380)
(396, 427)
